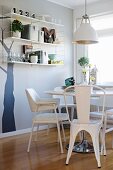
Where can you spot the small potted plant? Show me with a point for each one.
(17, 28)
(84, 63)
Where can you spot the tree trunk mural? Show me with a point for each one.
(8, 120)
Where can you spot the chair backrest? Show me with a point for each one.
(33, 97)
(61, 97)
(38, 104)
(83, 98)
(83, 103)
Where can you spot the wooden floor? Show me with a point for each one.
(45, 154)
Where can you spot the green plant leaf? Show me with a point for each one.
(83, 61)
(17, 26)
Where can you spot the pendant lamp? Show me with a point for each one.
(86, 34)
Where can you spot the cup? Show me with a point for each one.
(33, 58)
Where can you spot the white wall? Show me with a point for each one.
(41, 78)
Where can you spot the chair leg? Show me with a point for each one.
(103, 145)
(63, 132)
(29, 144)
(95, 139)
(71, 144)
(103, 134)
(72, 113)
(48, 130)
(101, 139)
(59, 109)
(112, 141)
(36, 136)
(59, 137)
(98, 108)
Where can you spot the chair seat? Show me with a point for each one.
(96, 114)
(109, 112)
(91, 121)
(99, 115)
(50, 117)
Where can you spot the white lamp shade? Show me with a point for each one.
(86, 34)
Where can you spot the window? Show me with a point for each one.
(101, 54)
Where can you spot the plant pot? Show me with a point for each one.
(17, 34)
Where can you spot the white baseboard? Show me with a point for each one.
(23, 131)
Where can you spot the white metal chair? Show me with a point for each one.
(84, 123)
(70, 102)
(109, 113)
(38, 105)
(109, 119)
(108, 123)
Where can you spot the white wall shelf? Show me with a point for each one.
(30, 20)
(26, 41)
(37, 64)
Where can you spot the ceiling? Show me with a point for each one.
(72, 3)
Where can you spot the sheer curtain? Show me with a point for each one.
(101, 54)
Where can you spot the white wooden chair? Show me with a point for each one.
(38, 105)
(83, 122)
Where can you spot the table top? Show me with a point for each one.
(72, 93)
(105, 85)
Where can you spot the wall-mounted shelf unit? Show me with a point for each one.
(54, 47)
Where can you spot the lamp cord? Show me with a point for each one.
(85, 8)
(85, 17)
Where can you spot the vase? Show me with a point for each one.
(34, 59)
(84, 79)
(17, 34)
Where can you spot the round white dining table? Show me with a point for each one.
(84, 146)
(95, 93)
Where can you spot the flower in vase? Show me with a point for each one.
(92, 75)
(84, 71)
(92, 79)
(90, 65)
(84, 63)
